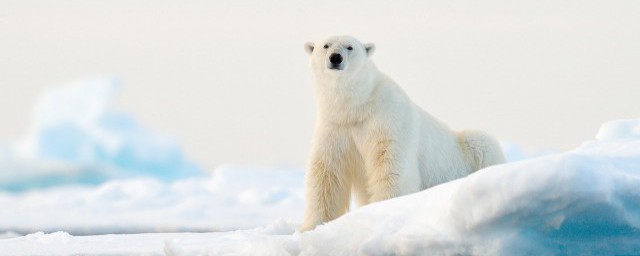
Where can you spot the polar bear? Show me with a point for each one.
(370, 139)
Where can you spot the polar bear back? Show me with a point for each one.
(442, 158)
(431, 152)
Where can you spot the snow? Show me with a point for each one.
(582, 202)
(273, 237)
(513, 152)
(233, 197)
(619, 130)
(9, 234)
(78, 136)
(86, 168)
(61, 243)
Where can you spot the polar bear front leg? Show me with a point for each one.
(383, 168)
(328, 181)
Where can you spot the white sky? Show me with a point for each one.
(229, 79)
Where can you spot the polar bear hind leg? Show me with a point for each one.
(480, 149)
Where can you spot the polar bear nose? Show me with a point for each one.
(335, 58)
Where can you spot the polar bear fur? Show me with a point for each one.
(370, 139)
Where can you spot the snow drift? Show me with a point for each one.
(582, 202)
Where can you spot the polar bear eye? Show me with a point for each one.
(349, 48)
(326, 46)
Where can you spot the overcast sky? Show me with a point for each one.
(229, 79)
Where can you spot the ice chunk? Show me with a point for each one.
(619, 130)
(514, 152)
(77, 135)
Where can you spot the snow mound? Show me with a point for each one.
(77, 136)
(619, 130)
(583, 202)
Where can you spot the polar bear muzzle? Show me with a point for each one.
(336, 60)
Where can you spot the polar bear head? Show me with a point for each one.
(338, 56)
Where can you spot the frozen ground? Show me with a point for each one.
(582, 202)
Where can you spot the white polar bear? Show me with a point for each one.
(372, 140)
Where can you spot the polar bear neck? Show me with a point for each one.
(347, 99)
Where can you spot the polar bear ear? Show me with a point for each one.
(370, 48)
(308, 47)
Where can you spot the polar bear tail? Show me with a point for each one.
(480, 149)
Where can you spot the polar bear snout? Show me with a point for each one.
(336, 60)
